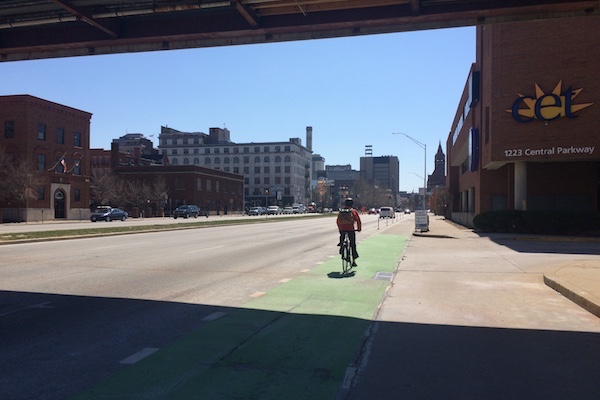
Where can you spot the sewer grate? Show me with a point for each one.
(384, 276)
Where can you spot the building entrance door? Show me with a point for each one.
(59, 204)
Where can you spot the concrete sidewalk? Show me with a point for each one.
(578, 281)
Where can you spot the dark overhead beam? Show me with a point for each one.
(86, 18)
(247, 14)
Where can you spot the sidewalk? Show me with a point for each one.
(577, 281)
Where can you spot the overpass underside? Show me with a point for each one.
(35, 29)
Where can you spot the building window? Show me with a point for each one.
(207, 151)
(77, 139)
(246, 149)
(186, 151)
(207, 161)
(246, 181)
(278, 180)
(60, 167)
(277, 169)
(256, 149)
(257, 170)
(236, 160)
(246, 159)
(236, 170)
(41, 132)
(257, 181)
(257, 159)
(41, 162)
(277, 158)
(174, 151)
(236, 150)
(41, 195)
(267, 170)
(267, 181)
(77, 195)
(196, 151)
(185, 141)
(217, 186)
(208, 185)
(77, 167)
(287, 180)
(226, 150)
(199, 184)
(186, 161)
(60, 136)
(267, 159)
(217, 150)
(196, 161)
(246, 170)
(287, 169)
(277, 149)
(164, 142)
(287, 148)
(174, 161)
(226, 169)
(196, 140)
(266, 149)
(288, 159)
(217, 160)
(9, 129)
(226, 160)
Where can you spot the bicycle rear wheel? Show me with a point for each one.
(346, 258)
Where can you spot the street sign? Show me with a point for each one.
(421, 220)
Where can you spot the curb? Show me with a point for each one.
(577, 296)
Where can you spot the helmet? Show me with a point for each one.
(349, 201)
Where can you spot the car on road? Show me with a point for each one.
(256, 211)
(274, 210)
(372, 211)
(288, 210)
(407, 211)
(186, 211)
(386, 212)
(108, 214)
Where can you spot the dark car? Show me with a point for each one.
(186, 211)
(108, 214)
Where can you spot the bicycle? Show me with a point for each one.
(346, 253)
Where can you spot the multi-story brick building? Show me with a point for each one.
(525, 136)
(55, 140)
(274, 172)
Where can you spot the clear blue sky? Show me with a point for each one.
(353, 91)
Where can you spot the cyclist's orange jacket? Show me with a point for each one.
(349, 226)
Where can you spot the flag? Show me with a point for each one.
(64, 164)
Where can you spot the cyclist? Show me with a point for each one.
(346, 219)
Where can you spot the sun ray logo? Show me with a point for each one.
(547, 107)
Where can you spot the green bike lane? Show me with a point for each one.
(297, 341)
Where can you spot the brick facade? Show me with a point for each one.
(55, 140)
(529, 139)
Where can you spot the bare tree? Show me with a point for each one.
(104, 188)
(137, 193)
(22, 182)
(159, 192)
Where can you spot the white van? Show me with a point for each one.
(386, 212)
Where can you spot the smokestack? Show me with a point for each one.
(309, 138)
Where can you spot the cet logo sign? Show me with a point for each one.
(547, 107)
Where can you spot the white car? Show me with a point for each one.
(274, 210)
(288, 210)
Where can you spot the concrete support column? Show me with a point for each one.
(520, 186)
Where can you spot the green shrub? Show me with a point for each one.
(539, 222)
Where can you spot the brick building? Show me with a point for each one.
(525, 136)
(55, 140)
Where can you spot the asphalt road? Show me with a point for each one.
(73, 311)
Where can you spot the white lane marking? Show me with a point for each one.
(140, 355)
(213, 316)
(205, 249)
(45, 304)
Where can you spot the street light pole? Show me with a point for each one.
(424, 147)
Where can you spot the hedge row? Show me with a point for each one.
(540, 222)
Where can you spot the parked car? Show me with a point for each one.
(407, 211)
(386, 212)
(274, 210)
(372, 211)
(298, 209)
(256, 211)
(108, 214)
(288, 210)
(186, 211)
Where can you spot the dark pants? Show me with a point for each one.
(352, 237)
